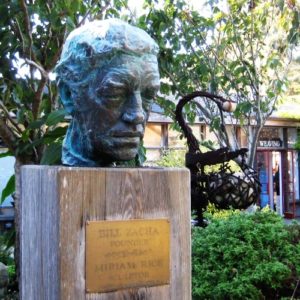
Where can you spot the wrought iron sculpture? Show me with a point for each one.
(224, 188)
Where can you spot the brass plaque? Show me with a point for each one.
(127, 254)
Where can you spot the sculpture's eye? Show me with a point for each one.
(109, 92)
(111, 97)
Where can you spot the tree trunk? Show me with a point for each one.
(253, 144)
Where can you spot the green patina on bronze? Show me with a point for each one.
(107, 77)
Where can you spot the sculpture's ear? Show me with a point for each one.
(66, 97)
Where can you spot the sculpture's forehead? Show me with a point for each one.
(128, 69)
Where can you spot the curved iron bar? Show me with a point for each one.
(196, 160)
(191, 140)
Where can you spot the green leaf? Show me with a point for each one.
(244, 107)
(9, 189)
(141, 156)
(71, 23)
(52, 155)
(274, 63)
(215, 123)
(55, 117)
(25, 135)
(270, 94)
(37, 123)
(21, 115)
(7, 153)
(56, 133)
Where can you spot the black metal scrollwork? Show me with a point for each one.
(224, 188)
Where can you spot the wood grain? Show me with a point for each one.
(39, 234)
(57, 202)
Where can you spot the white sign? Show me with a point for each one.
(270, 143)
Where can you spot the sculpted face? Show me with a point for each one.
(107, 78)
(117, 101)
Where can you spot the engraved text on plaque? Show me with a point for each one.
(125, 254)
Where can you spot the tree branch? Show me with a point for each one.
(240, 56)
(38, 97)
(19, 33)
(28, 28)
(220, 135)
(174, 82)
(55, 58)
(7, 135)
(37, 66)
(11, 120)
(217, 59)
(84, 17)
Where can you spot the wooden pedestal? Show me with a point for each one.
(56, 203)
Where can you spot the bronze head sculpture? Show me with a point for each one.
(107, 78)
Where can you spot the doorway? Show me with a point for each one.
(270, 176)
(276, 170)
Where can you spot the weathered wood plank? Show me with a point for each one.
(81, 194)
(39, 234)
(82, 198)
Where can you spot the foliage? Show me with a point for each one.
(297, 144)
(6, 257)
(6, 248)
(240, 51)
(290, 106)
(176, 158)
(294, 232)
(245, 256)
(172, 158)
(293, 92)
(8, 189)
(213, 213)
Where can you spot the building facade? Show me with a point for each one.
(276, 158)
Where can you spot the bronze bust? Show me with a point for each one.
(107, 78)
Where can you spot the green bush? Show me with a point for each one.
(245, 256)
(7, 258)
(172, 158)
(213, 213)
(6, 248)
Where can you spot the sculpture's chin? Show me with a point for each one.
(124, 154)
(118, 148)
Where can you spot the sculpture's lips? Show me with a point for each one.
(127, 134)
(130, 142)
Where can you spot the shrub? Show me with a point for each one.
(213, 213)
(6, 248)
(7, 258)
(245, 256)
(172, 158)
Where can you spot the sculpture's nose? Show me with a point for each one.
(134, 112)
